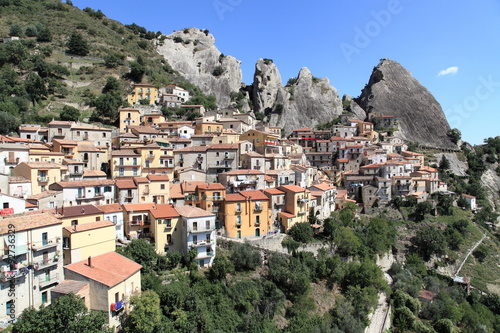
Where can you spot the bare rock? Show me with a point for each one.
(392, 90)
(193, 53)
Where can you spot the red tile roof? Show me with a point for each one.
(125, 183)
(190, 211)
(164, 210)
(292, 188)
(111, 208)
(211, 186)
(273, 191)
(28, 221)
(109, 269)
(138, 207)
(89, 226)
(158, 177)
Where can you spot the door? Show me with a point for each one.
(238, 234)
(257, 232)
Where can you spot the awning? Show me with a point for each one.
(16, 247)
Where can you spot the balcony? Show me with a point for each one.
(228, 156)
(219, 166)
(302, 213)
(46, 263)
(96, 196)
(150, 156)
(258, 208)
(11, 161)
(76, 173)
(205, 255)
(47, 280)
(13, 274)
(43, 245)
(201, 229)
(145, 192)
(118, 306)
(139, 222)
(215, 209)
(43, 179)
(303, 200)
(215, 198)
(201, 243)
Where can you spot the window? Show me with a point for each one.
(134, 161)
(103, 135)
(195, 239)
(238, 207)
(107, 188)
(44, 297)
(74, 222)
(257, 220)
(8, 306)
(207, 224)
(121, 160)
(134, 171)
(45, 238)
(168, 223)
(238, 220)
(122, 171)
(117, 297)
(162, 186)
(5, 205)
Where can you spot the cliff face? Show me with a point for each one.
(305, 103)
(193, 53)
(392, 90)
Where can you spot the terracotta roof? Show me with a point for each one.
(89, 226)
(43, 194)
(85, 183)
(125, 183)
(246, 195)
(190, 211)
(72, 211)
(286, 214)
(292, 188)
(111, 208)
(65, 142)
(85, 147)
(273, 191)
(211, 186)
(18, 179)
(324, 186)
(158, 177)
(303, 129)
(93, 173)
(468, 196)
(41, 165)
(30, 205)
(138, 207)
(28, 221)
(141, 180)
(109, 269)
(69, 286)
(190, 186)
(176, 192)
(342, 160)
(164, 210)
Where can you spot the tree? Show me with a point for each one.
(145, 314)
(429, 240)
(220, 268)
(481, 252)
(8, 123)
(142, 252)
(455, 135)
(35, 87)
(15, 30)
(422, 209)
(114, 60)
(245, 257)
(69, 113)
(44, 35)
(346, 241)
(301, 232)
(77, 44)
(67, 314)
(444, 164)
(112, 86)
(137, 71)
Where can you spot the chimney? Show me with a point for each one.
(89, 261)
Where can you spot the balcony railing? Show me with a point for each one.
(258, 208)
(201, 228)
(303, 200)
(302, 213)
(43, 245)
(47, 280)
(201, 243)
(118, 306)
(228, 156)
(139, 222)
(215, 198)
(43, 179)
(46, 263)
(13, 274)
(151, 156)
(11, 161)
(217, 166)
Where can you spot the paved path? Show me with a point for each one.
(470, 252)
(380, 320)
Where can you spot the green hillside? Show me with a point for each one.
(65, 56)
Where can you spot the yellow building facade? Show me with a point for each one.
(143, 91)
(247, 214)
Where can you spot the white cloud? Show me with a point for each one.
(449, 70)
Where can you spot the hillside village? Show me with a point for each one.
(72, 192)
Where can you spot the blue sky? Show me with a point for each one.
(343, 40)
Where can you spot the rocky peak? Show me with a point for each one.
(192, 52)
(392, 90)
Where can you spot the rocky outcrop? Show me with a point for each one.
(307, 101)
(193, 54)
(457, 166)
(352, 107)
(392, 90)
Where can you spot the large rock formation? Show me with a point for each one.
(307, 101)
(193, 54)
(392, 90)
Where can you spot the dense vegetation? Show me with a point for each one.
(67, 56)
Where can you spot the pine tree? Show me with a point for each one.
(77, 45)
